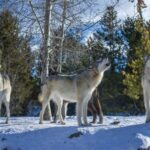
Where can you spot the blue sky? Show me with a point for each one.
(124, 9)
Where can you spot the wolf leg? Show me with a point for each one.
(148, 107)
(44, 104)
(146, 103)
(59, 104)
(85, 106)
(7, 104)
(0, 106)
(2, 96)
(85, 113)
(7, 111)
(94, 115)
(48, 113)
(64, 109)
(98, 107)
(92, 110)
(79, 111)
(55, 113)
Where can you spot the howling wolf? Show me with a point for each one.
(75, 88)
(5, 92)
(146, 87)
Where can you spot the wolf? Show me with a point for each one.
(94, 106)
(5, 93)
(146, 87)
(73, 88)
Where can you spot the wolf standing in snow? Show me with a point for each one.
(5, 92)
(94, 106)
(146, 87)
(76, 88)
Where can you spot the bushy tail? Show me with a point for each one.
(40, 98)
(41, 95)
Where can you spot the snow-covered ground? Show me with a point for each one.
(24, 133)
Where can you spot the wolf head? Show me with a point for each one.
(103, 65)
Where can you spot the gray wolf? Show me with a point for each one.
(5, 92)
(94, 106)
(73, 88)
(146, 87)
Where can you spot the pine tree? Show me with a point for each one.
(109, 36)
(16, 60)
(140, 50)
(131, 36)
(136, 65)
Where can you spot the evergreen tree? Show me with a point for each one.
(109, 36)
(16, 60)
(96, 48)
(140, 50)
(131, 36)
(136, 65)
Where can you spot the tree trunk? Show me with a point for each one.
(62, 36)
(45, 50)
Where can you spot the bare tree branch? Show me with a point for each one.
(36, 18)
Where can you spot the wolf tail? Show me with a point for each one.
(41, 94)
(40, 98)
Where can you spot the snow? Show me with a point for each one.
(25, 133)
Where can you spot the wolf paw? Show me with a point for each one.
(53, 121)
(100, 122)
(40, 122)
(7, 122)
(62, 123)
(80, 124)
(87, 124)
(92, 122)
